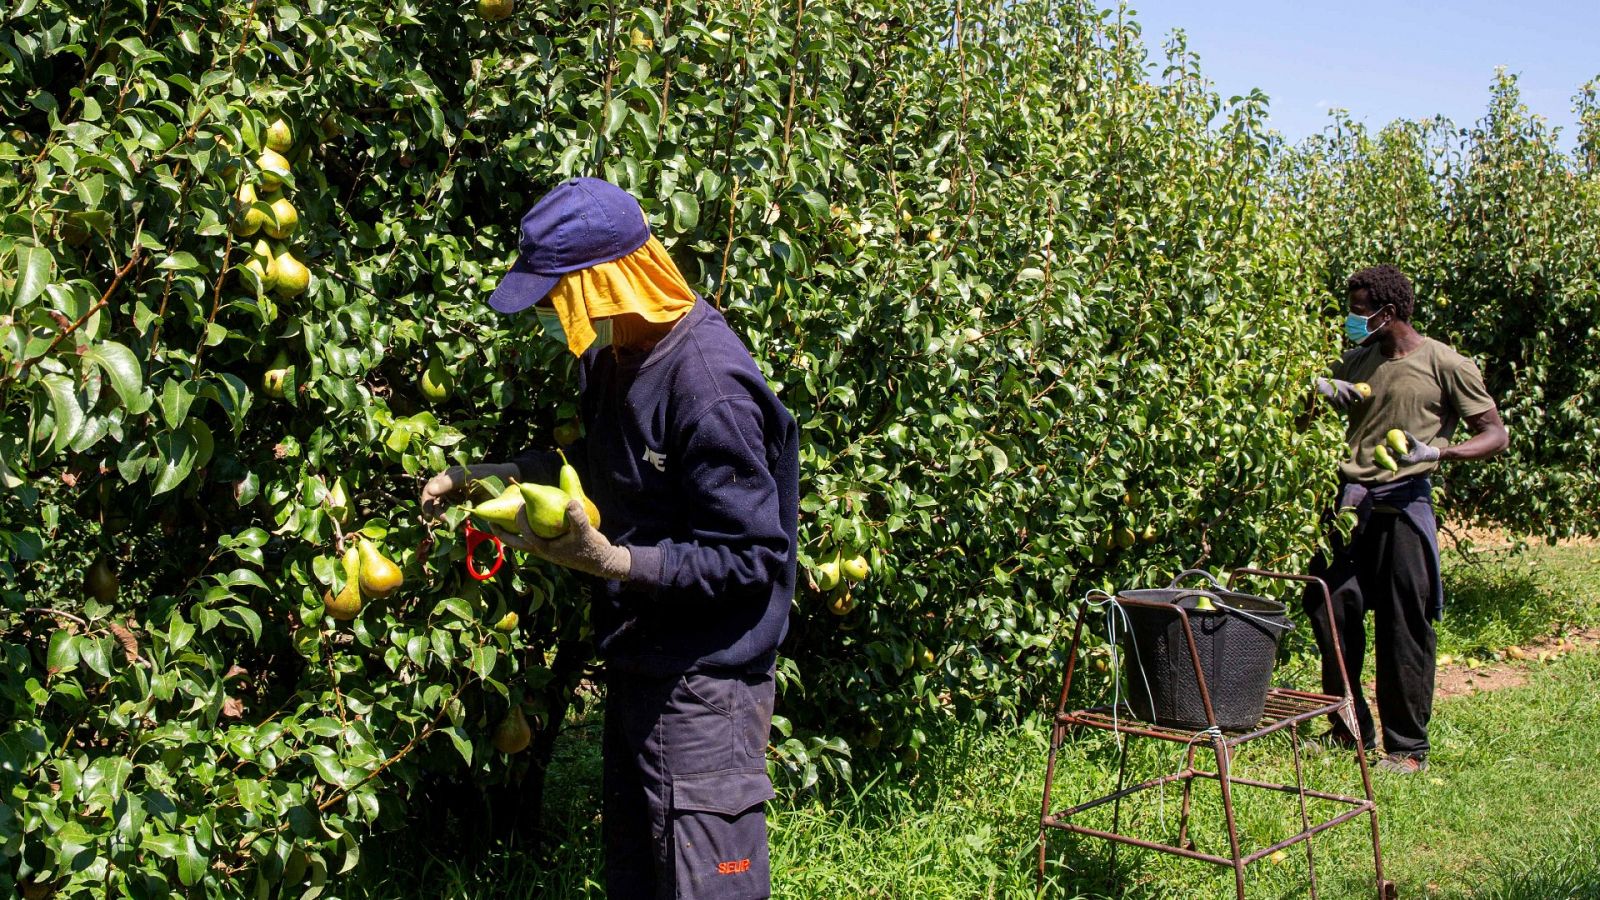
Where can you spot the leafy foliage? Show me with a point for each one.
(1046, 324)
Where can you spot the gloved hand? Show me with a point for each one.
(1342, 394)
(583, 548)
(1419, 452)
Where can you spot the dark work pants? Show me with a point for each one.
(685, 780)
(1384, 569)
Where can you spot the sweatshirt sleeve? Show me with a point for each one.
(732, 511)
(538, 466)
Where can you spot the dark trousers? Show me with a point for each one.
(685, 778)
(1383, 569)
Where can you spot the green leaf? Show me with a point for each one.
(192, 864)
(64, 404)
(177, 396)
(62, 653)
(124, 372)
(685, 211)
(34, 267)
(175, 459)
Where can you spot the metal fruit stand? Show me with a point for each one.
(1285, 710)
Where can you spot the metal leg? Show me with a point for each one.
(1116, 807)
(1057, 735)
(1188, 789)
(1220, 745)
(1305, 818)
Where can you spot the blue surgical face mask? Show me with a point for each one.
(1355, 327)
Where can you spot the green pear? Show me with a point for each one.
(284, 219)
(339, 502)
(380, 577)
(512, 735)
(856, 568)
(502, 510)
(346, 605)
(274, 168)
(1381, 454)
(546, 507)
(495, 10)
(574, 489)
(100, 581)
(827, 574)
(1397, 440)
(275, 379)
(247, 216)
(436, 382)
(280, 137)
(291, 277)
(263, 264)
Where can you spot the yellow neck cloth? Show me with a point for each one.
(644, 283)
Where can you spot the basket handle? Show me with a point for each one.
(1187, 572)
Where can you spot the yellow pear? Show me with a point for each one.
(274, 168)
(507, 623)
(1397, 440)
(842, 603)
(280, 137)
(574, 489)
(512, 735)
(495, 10)
(291, 277)
(284, 219)
(346, 605)
(276, 377)
(247, 217)
(502, 510)
(380, 577)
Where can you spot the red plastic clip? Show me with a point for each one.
(474, 538)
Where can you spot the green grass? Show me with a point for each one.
(1508, 812)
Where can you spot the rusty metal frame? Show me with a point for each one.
(1285, 710)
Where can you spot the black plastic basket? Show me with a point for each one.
(1237, 644)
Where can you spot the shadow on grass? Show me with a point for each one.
(1490, 607)
(1568, 873)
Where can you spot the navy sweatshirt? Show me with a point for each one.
(694, 465)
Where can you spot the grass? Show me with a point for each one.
(1508, 812)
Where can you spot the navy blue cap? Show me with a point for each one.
(582, 222)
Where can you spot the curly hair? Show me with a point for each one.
(1385, 286)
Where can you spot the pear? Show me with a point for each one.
(574, 489)
(247, 217)
(1125, 537)
(264, 264)
(346, 605)
(380, 577)
(1363, 388)
(100, 581)
(827, 574)
(274, 168)
(276, 377)
(1397, 440)
(855, 568)
(291, 277)
(284, 219)
(507, 623)
(568, 433)
(1204, 604)
(546, 508)
(280, 137)
(502, 510)
(1381, 454)
(495, 10)
(436, 382)
(512, 735)
(842, 603)
(339, 502)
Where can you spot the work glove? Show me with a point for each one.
(441, 490)
(1419, 452)
(583, 548)
(1342, 394)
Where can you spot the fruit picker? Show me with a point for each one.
(692, 465)
(1404, 395)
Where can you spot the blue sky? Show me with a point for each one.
(1385, 60)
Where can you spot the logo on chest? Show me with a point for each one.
(659, 460)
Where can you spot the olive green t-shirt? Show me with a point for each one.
(1425, 392)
